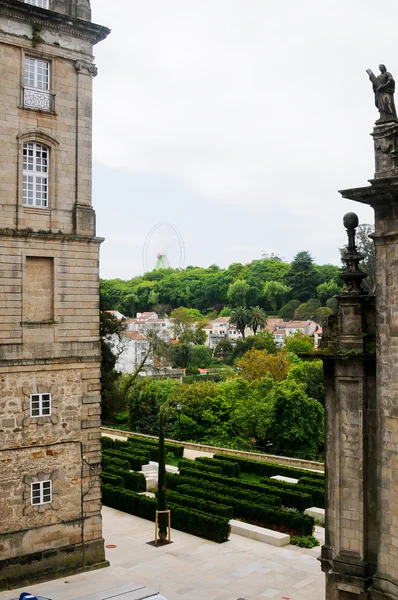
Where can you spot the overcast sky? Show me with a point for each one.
(236, 121)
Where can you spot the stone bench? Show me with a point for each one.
(268, 536)
(317, 513)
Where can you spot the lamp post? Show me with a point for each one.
(179, 408)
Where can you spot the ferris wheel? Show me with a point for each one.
(164, 248)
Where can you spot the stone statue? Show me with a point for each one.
(384, 88)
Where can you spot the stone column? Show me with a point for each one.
(382, 195)
(349, 401)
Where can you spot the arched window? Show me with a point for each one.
(40, 3)
(35, 174)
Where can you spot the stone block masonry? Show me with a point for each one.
(50, 405)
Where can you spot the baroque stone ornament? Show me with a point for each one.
(384, 89)
(352, 274)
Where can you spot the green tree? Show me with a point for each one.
(327, 290)
(225, 351)
(307, 310)
(180, 354)
(295, 424)
(257, 318)
(187, 325)
(226, 312)
(238, 293)
(162, 486)
(240, 318)
(287, 311)
(298, 342)
(199, 357)
(302, 276)
(275, 293)
(262, 341)
(310, 373)
(257, 364)
(112, 399)
(321, 314)
(366, 246)
(333, 304)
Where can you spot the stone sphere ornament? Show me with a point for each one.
(350, 220)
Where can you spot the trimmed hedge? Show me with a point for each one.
(174, 482)
(191, 521)
(259, 514)
(292, 499)
(186, 463)
(269, 469)
(135, 460)
(311, 481)
(317, 493)
(229, 469)
(203, 505)
(112, 479)
(176, 449)
(108, 461)
(132, 481)
(106, 442)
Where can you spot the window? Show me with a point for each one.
(40, 405)
(39, 3)
(37, 85)
(41, 492)
(35, 175)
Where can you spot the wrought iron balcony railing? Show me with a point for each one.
(38, 99)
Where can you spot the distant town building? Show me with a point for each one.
(281, 328)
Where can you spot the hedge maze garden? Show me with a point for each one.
(209, 492)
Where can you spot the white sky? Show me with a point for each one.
(235, 120)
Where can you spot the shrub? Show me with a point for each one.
(106, 442)
(304, 541)
(317, 493)
(112, 479)
(203, 505)
(229, 469)
(185, 519)
(176, 449)
(132, 481)
(174, 482)
(185, 463)
(292, 499)
(270, 517)
(135, 460)
(108, 461)
(268, 469)
(315, 482)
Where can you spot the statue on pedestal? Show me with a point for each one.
(384, 88)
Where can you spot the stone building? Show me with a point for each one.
(50, 505)
(360, 555)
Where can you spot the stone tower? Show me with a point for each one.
(50, 505)
(360, 555)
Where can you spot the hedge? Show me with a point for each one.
(186, 463)
(106, 442)
(292, 499)
(205, 506)
(176, 449)
(112, 479)
(188, 520)
(135, 460)
(108, 460)
(174, 482)
(269, 469)
(229, 469)
(132, 481)
(311, 481)
(290, 521)
(317, 493)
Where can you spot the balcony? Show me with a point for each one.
(38, 99)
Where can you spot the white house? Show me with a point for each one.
(281, 328)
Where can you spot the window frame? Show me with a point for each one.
(38, 177)
(42, 493)
(40, 407)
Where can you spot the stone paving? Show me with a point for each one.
(191, 568)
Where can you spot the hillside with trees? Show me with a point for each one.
(300, 290)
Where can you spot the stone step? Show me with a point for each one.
(317, 513)
(268, 536)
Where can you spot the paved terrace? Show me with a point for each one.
(190, 568)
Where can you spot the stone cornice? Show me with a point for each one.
(14, 9)
(52, 235)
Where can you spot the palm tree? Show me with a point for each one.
(240, 317)
(257, 318)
